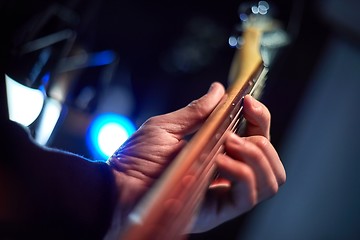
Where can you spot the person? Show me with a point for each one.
(48, 193)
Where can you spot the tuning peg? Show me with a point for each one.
(249, 8)
(247, 12)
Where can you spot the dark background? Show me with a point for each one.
(166, 54)
(169, 52)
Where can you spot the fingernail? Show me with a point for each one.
(211, 87)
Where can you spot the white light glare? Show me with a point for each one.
(48, 120)
(110, 137)
(24, 103)
(262, 8)
(232, 41)
(107, 132)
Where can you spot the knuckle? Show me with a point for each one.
(151, 121)
(266, 115)
(273, 187)
(252, 199)
(282, 178)
(198, 108)
(262, 142)
(248, 175)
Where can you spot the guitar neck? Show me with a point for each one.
(167, 210)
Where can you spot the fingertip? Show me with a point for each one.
(282, 177)
(250, 101)
(247, 98)
(234, 137)
(221, 159)
(216, 86)
(255, 111)
(212, 86)
(212, 98)
(224, 163)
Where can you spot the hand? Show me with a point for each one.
(143, 157)
(251, 163)
(252, 166)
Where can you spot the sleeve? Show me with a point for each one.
(52, 194)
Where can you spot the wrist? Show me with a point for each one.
(117, 224)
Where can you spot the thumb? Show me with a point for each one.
(187, 120)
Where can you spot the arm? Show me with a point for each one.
(52, 194)
(47, 191)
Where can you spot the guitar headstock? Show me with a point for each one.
(257, 39)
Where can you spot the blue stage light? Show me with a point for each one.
(106, 133)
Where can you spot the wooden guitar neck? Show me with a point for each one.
(168, 210)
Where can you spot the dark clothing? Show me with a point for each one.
(45, 193)
(50, 194)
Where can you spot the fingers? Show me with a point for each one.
(256, 168)
(187, 119)
(243, 179)
(257, 116)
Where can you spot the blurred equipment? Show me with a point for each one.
(24, 103)
(38, 45)
(51, 72)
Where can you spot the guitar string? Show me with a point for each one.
(198, 190)
(237, 126)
